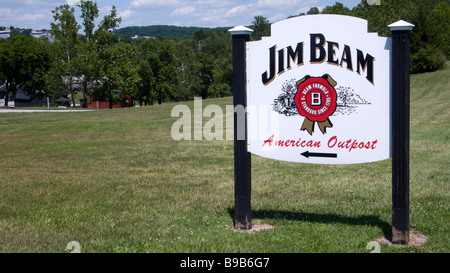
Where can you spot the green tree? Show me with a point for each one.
(167, 74)
(438, 27)
(89, 13)
(24, 60)
(378, 16)
(218, 46)
(188, 82)
(88, 61)
(37, 62)
(65, 30)
(261, 27)
(105, 40)
(55, 86)
(116, 70)
(117, 73)
(160, 71)
(430, 35)
(313, 10)
(146, 83)
(199, 36)
(104, 34)
(149, 65)
(337, 8)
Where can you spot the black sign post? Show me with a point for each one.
(242, 158)
(400, 130)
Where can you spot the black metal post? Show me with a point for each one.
(400, 131)
(242, 158)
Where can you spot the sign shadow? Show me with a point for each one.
(301, 216)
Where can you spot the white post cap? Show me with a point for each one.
(240, 30)
(401, 25)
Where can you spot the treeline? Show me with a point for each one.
(430, 38)
(161, 31)
(100, 61)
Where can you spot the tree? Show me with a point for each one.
(10, 67)
(438, 27)
(88, 54)
(65, 31)
(105, 40)
(116, 70)
(105, 35)
(430, 35)
(23, 62)
(261, 27)
(146, 84)
(149, 65)
(188, 82)
(337, 8)
(37, 62)
(166, 76)
(378, 16)
(313, 10)
(89, 13)
(199, 36)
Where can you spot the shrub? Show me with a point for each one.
(427, 59)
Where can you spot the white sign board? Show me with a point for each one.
(318, 91)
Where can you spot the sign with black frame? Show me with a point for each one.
(322, 90)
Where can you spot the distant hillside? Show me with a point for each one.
(161, 30)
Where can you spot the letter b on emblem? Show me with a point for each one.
(316, 99)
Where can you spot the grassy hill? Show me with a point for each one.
(115, 181)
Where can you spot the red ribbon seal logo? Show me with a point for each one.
(316, 100)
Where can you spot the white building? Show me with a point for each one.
(42, 33)
(4, 34)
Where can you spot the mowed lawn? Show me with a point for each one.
(116, 181)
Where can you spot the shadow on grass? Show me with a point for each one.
(365, 220)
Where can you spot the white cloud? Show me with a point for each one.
(31, 3)
(127, 14)
(237, 10)
(37, 19)
(277, 17)
(214, 21)
(152, 3)
(306, 9)
(177, 23)
(183, 11)
(5, 12)
(34, 17)
(72, 2)
(277, 3)
(208, 13)
(214, 18)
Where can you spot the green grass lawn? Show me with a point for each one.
(116, 181)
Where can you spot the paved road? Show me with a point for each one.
(40, 111)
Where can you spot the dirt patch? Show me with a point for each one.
(415, 239)
(256, 227)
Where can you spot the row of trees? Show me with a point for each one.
(430, 38)
(24, 61)
(98, 61)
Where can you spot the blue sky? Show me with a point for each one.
(36, 14)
